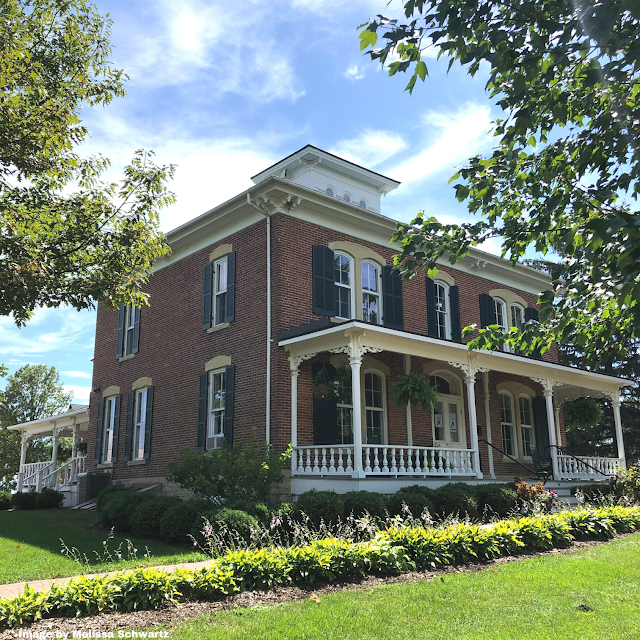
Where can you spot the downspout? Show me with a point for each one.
(267, 215)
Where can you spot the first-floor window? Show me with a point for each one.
(374, 407)
(345, 413)
(216, 403)
(140, 413)
(506, 420)
(109, 428)
(526, 424)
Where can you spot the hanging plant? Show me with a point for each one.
(583, 412)
(333, 382)
(415, 388)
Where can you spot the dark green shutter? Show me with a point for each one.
(148, 423)
(541, 425)
(230, 311)
(207, 296)
(136, 330)
(530, 313)
(202, 412)
(116, 430)
(121, 312)
(128, 434)
(454, 302)
(323, 281)
(432, 320)
(229, 388)
(392, 298)
(99, 431)
(487, 310)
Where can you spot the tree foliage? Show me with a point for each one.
(67, 237)
(32, 392)
(564, 176)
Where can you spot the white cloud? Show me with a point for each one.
(80, 394)
(459, 136)
(355, 72)
(77, 374)
(371, 147)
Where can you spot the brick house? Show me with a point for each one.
(271, 301)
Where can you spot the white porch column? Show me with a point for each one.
(54, 452)
(615, 403)
(470, 380)
(558, 433)
(487, 419)
(24, 443)
(355, 361)
(548, 396)
(74, 439)
(293, 368)
(407, 369)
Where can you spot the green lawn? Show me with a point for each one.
(30, 545)
(533, 599)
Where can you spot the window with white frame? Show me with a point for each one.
(443, 317)
(501, 317)
(216, 404)
(371, 286)
(345, 413)
(220, 272)
(343, 268)
(129, 329)
(374, 403)
(447, 418)
(517, 315)
(526, 424)
(109, 428)
(508, 425)
(139, 430)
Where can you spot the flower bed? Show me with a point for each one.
(394, 550)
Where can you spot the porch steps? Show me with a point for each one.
(89, 505)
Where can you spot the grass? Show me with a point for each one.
(537, 598)
(30, 545)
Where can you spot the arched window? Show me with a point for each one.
(443, 386)
(508, 424)
(363, 203)
(526, 424)
(374, 405)
(346, 197)
(371, 286)
(330, 191)
(343, 270)
(443, 315)
(501, 317)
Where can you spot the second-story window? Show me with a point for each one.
(130, 326)
(342, 266)
(220, 291)
(443, 318)
(517, 315)
(371, 293)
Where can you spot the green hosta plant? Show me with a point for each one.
(412, 387)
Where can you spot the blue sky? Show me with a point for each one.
(224, 89)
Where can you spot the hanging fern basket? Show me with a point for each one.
(583, 412)
(412, 387)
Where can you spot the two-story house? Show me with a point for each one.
(286, 291)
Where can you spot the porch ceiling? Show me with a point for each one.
(568, 382)
(63, 422)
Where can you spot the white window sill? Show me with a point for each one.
(125, 358)
(217, 327)
(133, 463)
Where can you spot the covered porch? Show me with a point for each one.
(35, 476)
(483, 429)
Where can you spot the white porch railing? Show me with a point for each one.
(571, 468)
(383, 460)
(66, 474)
(31, 468)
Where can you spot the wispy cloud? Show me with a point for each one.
(355, 72)
(80, 393)
(371, 147)
(77, 374)
(457, 136)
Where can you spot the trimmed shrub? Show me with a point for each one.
(118, 508)
(416, 498)
(145, 519)
(456, 499)
(178, 520)
(496, 499)
(258, 510)
(104, 495)
(232, 525)
(359, 503)
(49, 499)
(24, 501)
(325, 506)
(5, 500)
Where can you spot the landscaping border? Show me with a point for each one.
(395, 550)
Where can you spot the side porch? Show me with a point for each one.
(499, 415)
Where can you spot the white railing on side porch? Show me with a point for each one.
(383, 460)
(31, 468)
(586, 467)
(65, 474)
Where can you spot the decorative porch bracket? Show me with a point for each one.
(471, 369)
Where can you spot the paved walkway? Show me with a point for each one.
(15, 588)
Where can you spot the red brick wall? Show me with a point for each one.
(174, 348)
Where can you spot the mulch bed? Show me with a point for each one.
(175, 615)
